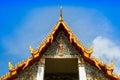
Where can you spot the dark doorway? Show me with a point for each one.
(61, 69)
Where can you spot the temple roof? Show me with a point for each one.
(37, 53)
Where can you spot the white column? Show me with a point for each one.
(82, 73)
(40, 73)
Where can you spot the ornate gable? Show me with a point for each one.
(61, 41)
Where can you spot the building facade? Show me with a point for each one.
(61, 56)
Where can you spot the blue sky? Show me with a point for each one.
(24, 23)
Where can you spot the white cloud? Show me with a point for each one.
(107, 50)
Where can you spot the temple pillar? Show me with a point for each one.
(40, 73)
(82, 73)
(81, 67)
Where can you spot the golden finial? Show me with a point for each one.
(60, 19)
(10, 66)
(91, 48)
(31, 49)
(112, 64)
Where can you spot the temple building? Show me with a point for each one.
(61, 56)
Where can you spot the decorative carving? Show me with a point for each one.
(31, 50)
(92, 73)
(110, 68)
(97, 63)
(27, 62)
(112, 65)
(61, 44)
(91, 49)
(87, 53)
(30, 73)
(61, 48)
(10, 66)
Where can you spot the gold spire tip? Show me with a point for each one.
(61, 14)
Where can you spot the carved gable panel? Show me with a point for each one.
(93, 73)
(61, 46)
(29, 73)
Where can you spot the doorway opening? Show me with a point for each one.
(61, 69)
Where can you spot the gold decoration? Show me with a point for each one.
(88, 53)
(91, 49)
(31, 50)
(112, 64)
(60, 19)
(97, 63)
(27, 63)
(10, 66)
(110, 68)
(61, 48)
